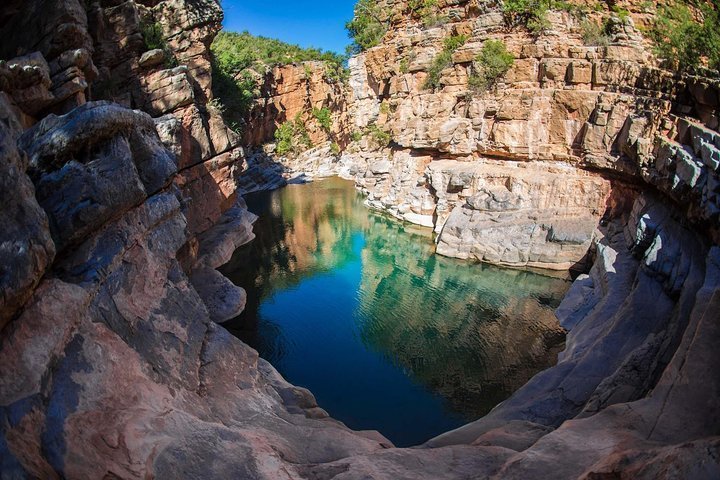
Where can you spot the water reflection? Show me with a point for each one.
(388, 336)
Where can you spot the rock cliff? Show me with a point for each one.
(582, 155)
(120, 200)
(557, 144)
(116, 219)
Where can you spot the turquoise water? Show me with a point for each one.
(388, 336)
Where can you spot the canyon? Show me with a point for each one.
(122, 194)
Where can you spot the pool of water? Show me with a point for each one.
(388, 336)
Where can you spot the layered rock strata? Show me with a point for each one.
(292, 92)
(459, 160)
(115, 220)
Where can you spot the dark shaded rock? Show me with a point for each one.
(29, 83)
(156, 164)
(57, 139)
(93, 164)
(26, 248)
(80, 197)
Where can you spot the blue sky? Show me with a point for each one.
(319, 23)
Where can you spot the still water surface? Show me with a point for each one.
(388, 336)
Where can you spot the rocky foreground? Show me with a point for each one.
(120, 199)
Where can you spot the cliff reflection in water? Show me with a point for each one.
(357, 308)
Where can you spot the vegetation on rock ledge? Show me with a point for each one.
(240, 60)
(323, 117)
(367, 26)
(292, 137)
(154, 38)
(491, 64)
(443, 60)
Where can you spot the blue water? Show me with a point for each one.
(387, 335)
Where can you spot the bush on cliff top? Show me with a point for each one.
(240, 58)
(235, 52)
(367, 26)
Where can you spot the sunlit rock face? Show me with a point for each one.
(586, 111)
(290, 92)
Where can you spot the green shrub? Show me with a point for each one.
(425, 10)
(323, 117)
(684, 42)
(336, 72)
(454, 42)
(367, 27)
(531, 14)
(443, 60)
(292, 137)
(239, 58)
(491, 64)
(404, 66)
(356, 136)
(307, 71)
(594, 33)
(152, 34)
(284, 138)
(379, 136)
(621, 13)
(335, 148)
(422, 8)
(236, 95)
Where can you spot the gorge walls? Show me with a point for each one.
(582, 155)
(563, 139)
(120, 186)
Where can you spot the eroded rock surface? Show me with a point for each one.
(116, 219)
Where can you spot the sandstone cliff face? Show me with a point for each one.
(481, 167)
(293, 91)
(116, 219)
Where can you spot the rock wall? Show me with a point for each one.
(116, 219)
(582, 156)
(292, 91)
(115, 223)
(482, 167)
